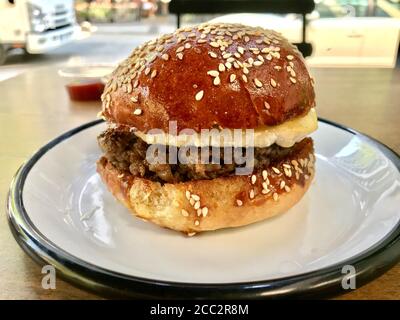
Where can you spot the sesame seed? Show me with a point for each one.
(204, 211)
(246, 39)
(196, 205)
(282, 184)
(199, 95)
(240, 50)
(273, 83)
(269, 57)
(187, 194)
(226, 55)
(221, 67)
(129, 87)
(195, 197)
(191, 234)
(217, 81)
(153, 74)
(253, 179)
(232, 77)
(212, 54)
(184, 213)
(293, 80)
(180, 49)
(245, 70)
(197, 222)
(278, 68)
(287, 189)
(137, 112)
(179, 56)
(295, 163)
(214, 44)
(250, 60)
(244, 78)
(191, 201)
(265, 191)
(276, 170)
(237, 55)
(165, 57)
(134, 99)
(188, 45)
(251, 194)
(258, 83)
(213, 73)
(239, 202)
(288, 172)
(289, 57)
(275, 196)
(266, 105)
(257, 63)
(228, 65)
(147, 71)
(265, 174)
(276, 54)
(199, 212)
(265, 185)
(286, 165)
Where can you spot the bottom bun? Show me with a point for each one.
(203, 205)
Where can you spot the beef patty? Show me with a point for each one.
(127, 153)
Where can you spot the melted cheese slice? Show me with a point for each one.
(284, 135)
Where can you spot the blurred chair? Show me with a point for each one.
(302, 7)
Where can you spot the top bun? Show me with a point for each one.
(210, 76)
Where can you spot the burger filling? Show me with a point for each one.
(127, 152)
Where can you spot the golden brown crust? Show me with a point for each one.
(203, 205)
(161, 79)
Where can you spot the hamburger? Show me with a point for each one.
(220, 78)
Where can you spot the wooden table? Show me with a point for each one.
(34, 108)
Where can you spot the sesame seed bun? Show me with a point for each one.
(210, 76)
(203, 205)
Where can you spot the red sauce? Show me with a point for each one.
(85, 91)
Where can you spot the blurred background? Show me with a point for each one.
(353, 33)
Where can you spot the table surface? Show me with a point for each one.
(34, 108)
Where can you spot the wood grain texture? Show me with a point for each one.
(34, 108)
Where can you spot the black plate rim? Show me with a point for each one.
(323, 282)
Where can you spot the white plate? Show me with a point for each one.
(61, 213)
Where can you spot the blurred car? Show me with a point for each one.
(35, 25)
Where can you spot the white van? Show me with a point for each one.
(35, 25)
